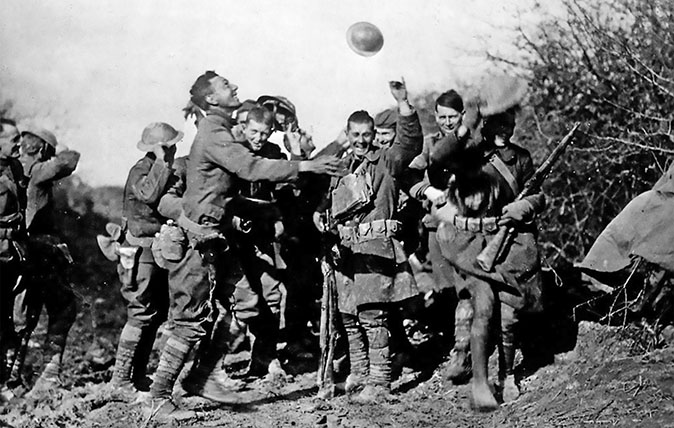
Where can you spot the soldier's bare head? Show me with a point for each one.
(258, 127)
(9, 138)
(449, 111)
(211, 90)
(360, 132)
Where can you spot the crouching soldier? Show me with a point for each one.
(214, 163)
(12, 198)
(488, 176)
(144, 283)
(46, 279)
(373, 272)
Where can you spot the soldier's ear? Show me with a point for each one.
(210, 100)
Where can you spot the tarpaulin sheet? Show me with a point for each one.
(644, 228)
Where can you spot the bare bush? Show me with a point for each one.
(609, 65)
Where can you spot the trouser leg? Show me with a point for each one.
(507, 353)
(145, 288)
(359, 359)
(8, 277)
(459, 364)
(375, 322)
(483, 306)
(61, 308)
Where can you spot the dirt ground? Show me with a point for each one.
(601, 382)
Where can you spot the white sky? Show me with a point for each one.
(99, 71)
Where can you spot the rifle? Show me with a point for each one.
(497, 247)
(328, 327)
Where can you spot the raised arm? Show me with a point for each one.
(409, 138)
(149, 187)
(61, 165)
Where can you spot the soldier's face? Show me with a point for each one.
(360, 136)
(447, 119)
(224, 93)
(384, 137)
(257, 134)
(9, 141)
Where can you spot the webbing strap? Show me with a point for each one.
(502, 168)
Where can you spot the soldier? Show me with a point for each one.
(385, 127)
(214, 163)
(12, 200)
(430, 189)
(487, 177)
(257, 296)
(144, 283)
(46, 281)
(373, 272)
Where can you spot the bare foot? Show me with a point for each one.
(483, 398)
(511, 391)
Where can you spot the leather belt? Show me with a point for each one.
(196, 228)
(138, 242)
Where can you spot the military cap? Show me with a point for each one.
(386, 119)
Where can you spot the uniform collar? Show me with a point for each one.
(506, 153)
(220, 117)
(372, 156)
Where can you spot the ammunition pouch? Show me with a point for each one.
(476, 224)
(377, 229)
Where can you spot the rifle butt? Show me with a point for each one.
(490, 252)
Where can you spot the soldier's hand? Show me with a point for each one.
(293, 140)
(159, 151)
(318, 221)
(278, 229)
(398, 89)
(237, 132)
(517, 212)
(342, 139)
(329, 165)
(436, 196)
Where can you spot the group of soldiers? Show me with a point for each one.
(226, 234)
(33, 258)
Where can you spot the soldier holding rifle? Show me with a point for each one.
(488, 173)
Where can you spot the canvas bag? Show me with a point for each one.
(353, 192)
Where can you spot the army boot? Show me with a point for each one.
(459, 367)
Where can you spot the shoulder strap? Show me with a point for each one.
(502, 168)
